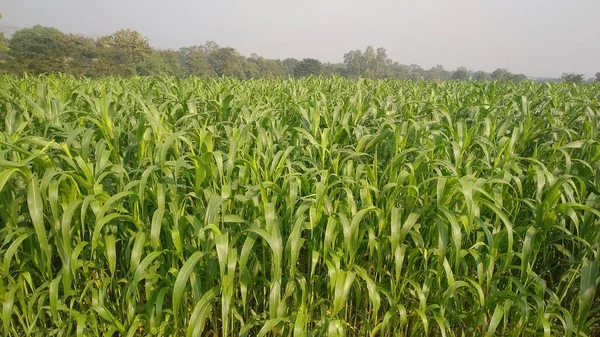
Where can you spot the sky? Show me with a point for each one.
(536, 37)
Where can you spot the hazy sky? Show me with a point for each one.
(535, 37)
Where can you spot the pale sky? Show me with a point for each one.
(534, 37)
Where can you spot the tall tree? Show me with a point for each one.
(381, 63)
(227, 62)
(3, 46)
(210, 46)
(519, 78)
(481, 76)
(111, 61)
(259, 66)
(334, 69)
(501, 74)
(598, 77)
(36, 50)
(129, 41)
(399, 71)
(163, 62)
(437, 73)
(372, 63)
(194, 62)
(119, 54)
(572, 78)
(354, 63)
(415, 72)
(461, 74)
(81, 53)
(289, 65)
(308, 67)
(369, 58)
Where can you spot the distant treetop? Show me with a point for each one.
(126, 52)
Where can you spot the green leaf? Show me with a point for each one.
(495, 321)
(36, 212)
(182, 278)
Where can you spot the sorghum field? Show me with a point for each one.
(314, 207)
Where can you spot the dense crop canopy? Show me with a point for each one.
(158, 206)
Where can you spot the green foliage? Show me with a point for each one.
(436, 73)
(519, 78)
(501, 74)
(370, 64)
(132, 43)
(505, 75)
(42, 50)
(194, 61)
(3, 45)
(161, 62)
(80, 53)
(227, 62)
(37, 50)
(120, 53)
(127, 53)
(289, 65)
(481, 76)
(156, 206)
(261, 67)
(572, 78)
(308, 67)
(460, 74)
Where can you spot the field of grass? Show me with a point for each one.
(314, 207)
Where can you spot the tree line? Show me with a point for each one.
(40, 50)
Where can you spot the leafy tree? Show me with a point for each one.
(129, 41)
(369, 59)
(415, 72)
(120, 53)
(227, 62)
(334, 69)
(415, 68)
(80, 52)
(36, 50)
(272, 68)
(481, 76)
(3, 46)
(308, 67)
(354, 63)
(259, 66)
(399, 71)
(372, 63)
(501, 74)
(519, 78)
(194, 62)
(381, 63)
(252, 70)
(210, 46)
(572, 78)
(437, 73)
(461, 74)
(289, 65)
(127, 52)
(167, 62)
(3, 51)
(112, 62)
(598, 77)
